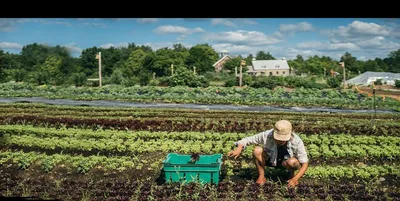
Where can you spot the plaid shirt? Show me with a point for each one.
(295, 146)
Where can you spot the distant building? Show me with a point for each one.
(269, 68)
(224, 57)
(369, 77)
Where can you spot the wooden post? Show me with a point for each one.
(240, 76)
(194, 70)
(236, 71)
(99, 58)
(242, 63)
(344, 74)
(172, 69)
(154, 75)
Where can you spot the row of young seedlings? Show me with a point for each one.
(316, 139)
(137, 146)
(83, 164)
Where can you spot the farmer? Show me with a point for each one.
(280, 148)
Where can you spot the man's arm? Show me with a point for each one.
(295, 180)
(241, 144)
(255, 139)
(303, 161)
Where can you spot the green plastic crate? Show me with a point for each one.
(206, 170)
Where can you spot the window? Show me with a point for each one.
(270, 73)
(283, 72)
(277, 72)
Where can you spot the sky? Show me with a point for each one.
(364, 38)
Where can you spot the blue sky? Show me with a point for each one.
(365, 38)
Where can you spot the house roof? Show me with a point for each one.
(222, 58)
(270, 65)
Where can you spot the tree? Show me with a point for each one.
(203, 57)
(49, 72)
(134, 65)
(249, 59)
(3, 66)
(261, 55)
(89, 62)
(231, 64)
(163, 59)
(350, 62)
(393, 61)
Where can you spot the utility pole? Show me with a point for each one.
(98, 56)
(344, 74)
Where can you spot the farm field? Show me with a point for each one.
(100, 153)
(298, 97)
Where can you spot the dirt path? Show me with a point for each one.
(379, 92)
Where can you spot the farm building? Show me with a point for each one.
(269, 68)
(224, 57)
(369, 77)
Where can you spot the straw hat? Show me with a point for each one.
(282, 130)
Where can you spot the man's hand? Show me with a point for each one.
(236, 153)
(293, 182)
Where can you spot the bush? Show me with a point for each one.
(264, 82)
(334, 82)
(79, 79)
(397, 83)
(230, 82)
(129, 82)
(154, 82)
(378, 82)
(116, 77)
(185, 77)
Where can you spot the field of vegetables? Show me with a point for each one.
(99, 153)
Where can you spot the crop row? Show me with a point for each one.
(37, 109)
(138, 146)
(82, 164)
(356, 127)
(211, 95)
(124, 189)
(316, 139)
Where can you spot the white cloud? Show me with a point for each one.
(321, 46)
(170, 29)
(357, 31)
(147, 20)
(232, 48)
(242, 37)
(73, 48)
(221, 21)
(293, 28)
(108, 45)
(10, 45)
(95, 24)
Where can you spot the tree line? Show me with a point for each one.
(41, 64)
